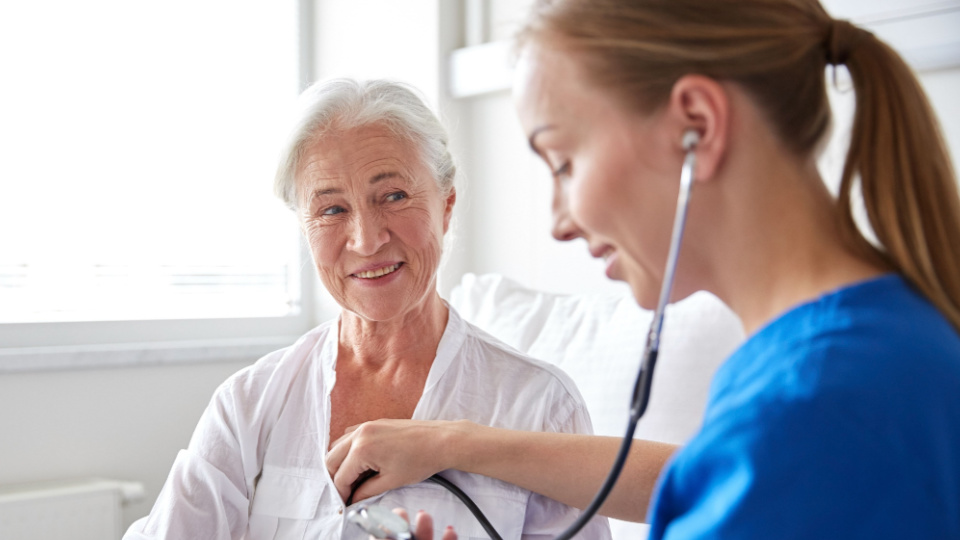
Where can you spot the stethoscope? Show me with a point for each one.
(380, 522)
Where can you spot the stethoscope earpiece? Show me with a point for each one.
(691, 138)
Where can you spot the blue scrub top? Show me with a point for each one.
(840, 419)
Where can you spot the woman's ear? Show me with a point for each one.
(448, 208)
(701, 104)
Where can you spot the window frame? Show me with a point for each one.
(40, 346)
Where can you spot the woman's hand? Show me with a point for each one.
(403, 452)
(423, 527)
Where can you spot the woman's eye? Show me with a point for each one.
(333, 210)
(562, 171)
(397, 196)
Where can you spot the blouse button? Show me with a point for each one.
(340, 511)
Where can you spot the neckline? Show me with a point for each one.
(826, 297)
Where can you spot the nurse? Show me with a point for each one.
(840, 415)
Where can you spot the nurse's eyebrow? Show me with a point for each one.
(533, 135)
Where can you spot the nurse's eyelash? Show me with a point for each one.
(563, 170)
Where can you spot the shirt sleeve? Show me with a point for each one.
(197, 501)
(205, 494)
(546, 518)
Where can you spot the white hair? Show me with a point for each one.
(339, 105)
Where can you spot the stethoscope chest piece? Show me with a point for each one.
(380, 522)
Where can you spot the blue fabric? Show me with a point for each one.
(840, 419)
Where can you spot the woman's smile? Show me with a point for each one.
(374, 218)
(378, 272)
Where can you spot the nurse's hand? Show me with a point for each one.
(423, 526)
(403, 452)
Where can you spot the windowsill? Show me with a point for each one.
(30, 359)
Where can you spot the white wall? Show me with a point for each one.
(125, 423)
(943, 87)
(393, 39)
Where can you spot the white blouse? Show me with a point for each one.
(255, 467)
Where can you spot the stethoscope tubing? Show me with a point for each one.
(651, 350)
(642, 387)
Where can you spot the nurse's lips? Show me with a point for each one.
(601, 252)
(608, 254)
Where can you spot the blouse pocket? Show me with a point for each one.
(282, 506)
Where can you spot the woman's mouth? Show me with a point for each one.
(379, 272)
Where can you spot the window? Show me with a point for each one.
(139, 143)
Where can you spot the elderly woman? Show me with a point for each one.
(369, 175)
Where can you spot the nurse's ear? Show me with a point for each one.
(702, 104)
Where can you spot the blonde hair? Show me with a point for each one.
(778, 51)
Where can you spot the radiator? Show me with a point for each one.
(89, 509)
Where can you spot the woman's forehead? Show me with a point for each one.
(361, 153)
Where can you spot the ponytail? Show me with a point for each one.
(906, 179)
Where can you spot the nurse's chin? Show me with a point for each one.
(646, 301)
(647, 293)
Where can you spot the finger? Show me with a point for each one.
(375, 486)
(423, 528)
(335, 457)
(347, 475)
(346, 434)
(402, 513)
(449, 533)
(338, 452)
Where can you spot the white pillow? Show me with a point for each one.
(598, 340)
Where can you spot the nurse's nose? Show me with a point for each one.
(368, 233)
(564, 228)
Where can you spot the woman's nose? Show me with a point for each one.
(564, 228)
(368, 234)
